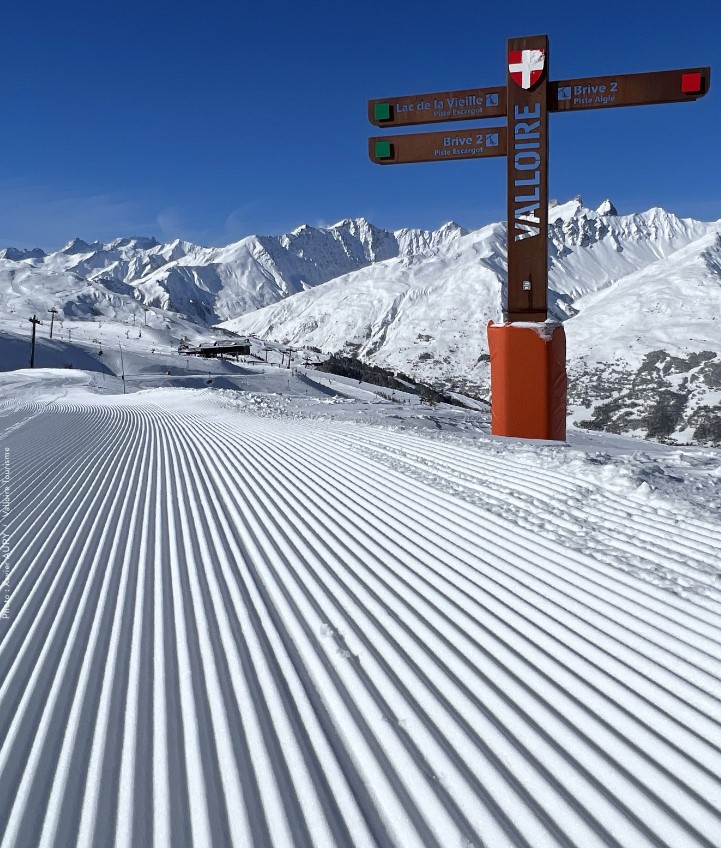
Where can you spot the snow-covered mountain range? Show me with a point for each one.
(640, 296)
(204, 284)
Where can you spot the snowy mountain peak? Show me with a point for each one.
(357, 224)
(15, 254)
(77, 245)
(134, 242)
(606, 208)
(568, 210)
(451, 229)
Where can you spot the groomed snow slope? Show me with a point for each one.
(236, 622)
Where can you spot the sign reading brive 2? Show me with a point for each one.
(526, 99)
(435, 146)
(628, 89)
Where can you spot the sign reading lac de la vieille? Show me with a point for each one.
(462, 105)
(525, 101)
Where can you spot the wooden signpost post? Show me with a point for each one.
(528, 353)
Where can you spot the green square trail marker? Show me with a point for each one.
(382, 111)
(525, 100)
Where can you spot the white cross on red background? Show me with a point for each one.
(526, 66)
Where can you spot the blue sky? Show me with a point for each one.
(216, 120)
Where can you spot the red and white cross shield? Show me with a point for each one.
(526, 66)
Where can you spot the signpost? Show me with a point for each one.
(528, 369)
(527, 194)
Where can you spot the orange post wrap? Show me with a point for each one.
(528, 380)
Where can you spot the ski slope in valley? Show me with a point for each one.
(237, 621)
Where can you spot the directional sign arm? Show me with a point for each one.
(474, 143)
(463, 105)
(628, 89)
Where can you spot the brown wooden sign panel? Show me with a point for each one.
(466, 104)
(527, 193)
(474, 143)
(628, 89)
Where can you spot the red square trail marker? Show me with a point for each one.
(528, 366)
(690, 83)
